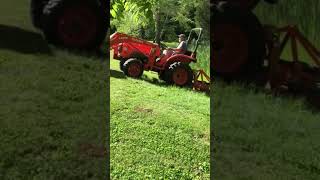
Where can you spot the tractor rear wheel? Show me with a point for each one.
(133, 68)
(179, 74)
(75, 24)
(238, 45)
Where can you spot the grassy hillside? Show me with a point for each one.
(260, 136)
(53, 105)
(157, 131)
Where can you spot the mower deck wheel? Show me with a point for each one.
(133, 68)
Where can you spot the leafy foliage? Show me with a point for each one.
(159, 19)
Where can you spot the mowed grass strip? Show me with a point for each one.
(157, 131)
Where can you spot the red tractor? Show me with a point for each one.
(137, 55)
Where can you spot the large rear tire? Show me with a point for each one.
(75, 24)
(179, 74)
(238, 45)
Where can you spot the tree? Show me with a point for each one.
(160, 13)
(151, 10)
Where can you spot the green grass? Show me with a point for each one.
(157, 131)
(53, 105)
(258, 135)
(203, 58)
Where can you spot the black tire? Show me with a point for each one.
(162, 76)
(75, 24)
(122, 61)
(249, 25)
(36, 12)
(133, 63)
(171, 76)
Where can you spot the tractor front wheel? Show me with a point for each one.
(162, 75)
(179, 74)
(122, 61)
(133, 68)
(36, 12)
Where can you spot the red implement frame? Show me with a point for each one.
(201, 81)
(283, 72)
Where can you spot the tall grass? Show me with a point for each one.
(303, 14)
(203, 58)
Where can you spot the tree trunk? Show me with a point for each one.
(157, 25)
(163, 28)
(142, 32)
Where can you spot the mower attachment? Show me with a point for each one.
(201, 81)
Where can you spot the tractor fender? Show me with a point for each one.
(179, 58)
(142, 57)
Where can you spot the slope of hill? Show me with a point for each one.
(157, 131)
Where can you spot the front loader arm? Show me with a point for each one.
(117, 38)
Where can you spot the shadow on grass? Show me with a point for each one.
(160, 83)
(117, 74)
(23, 41)
(154, 81)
